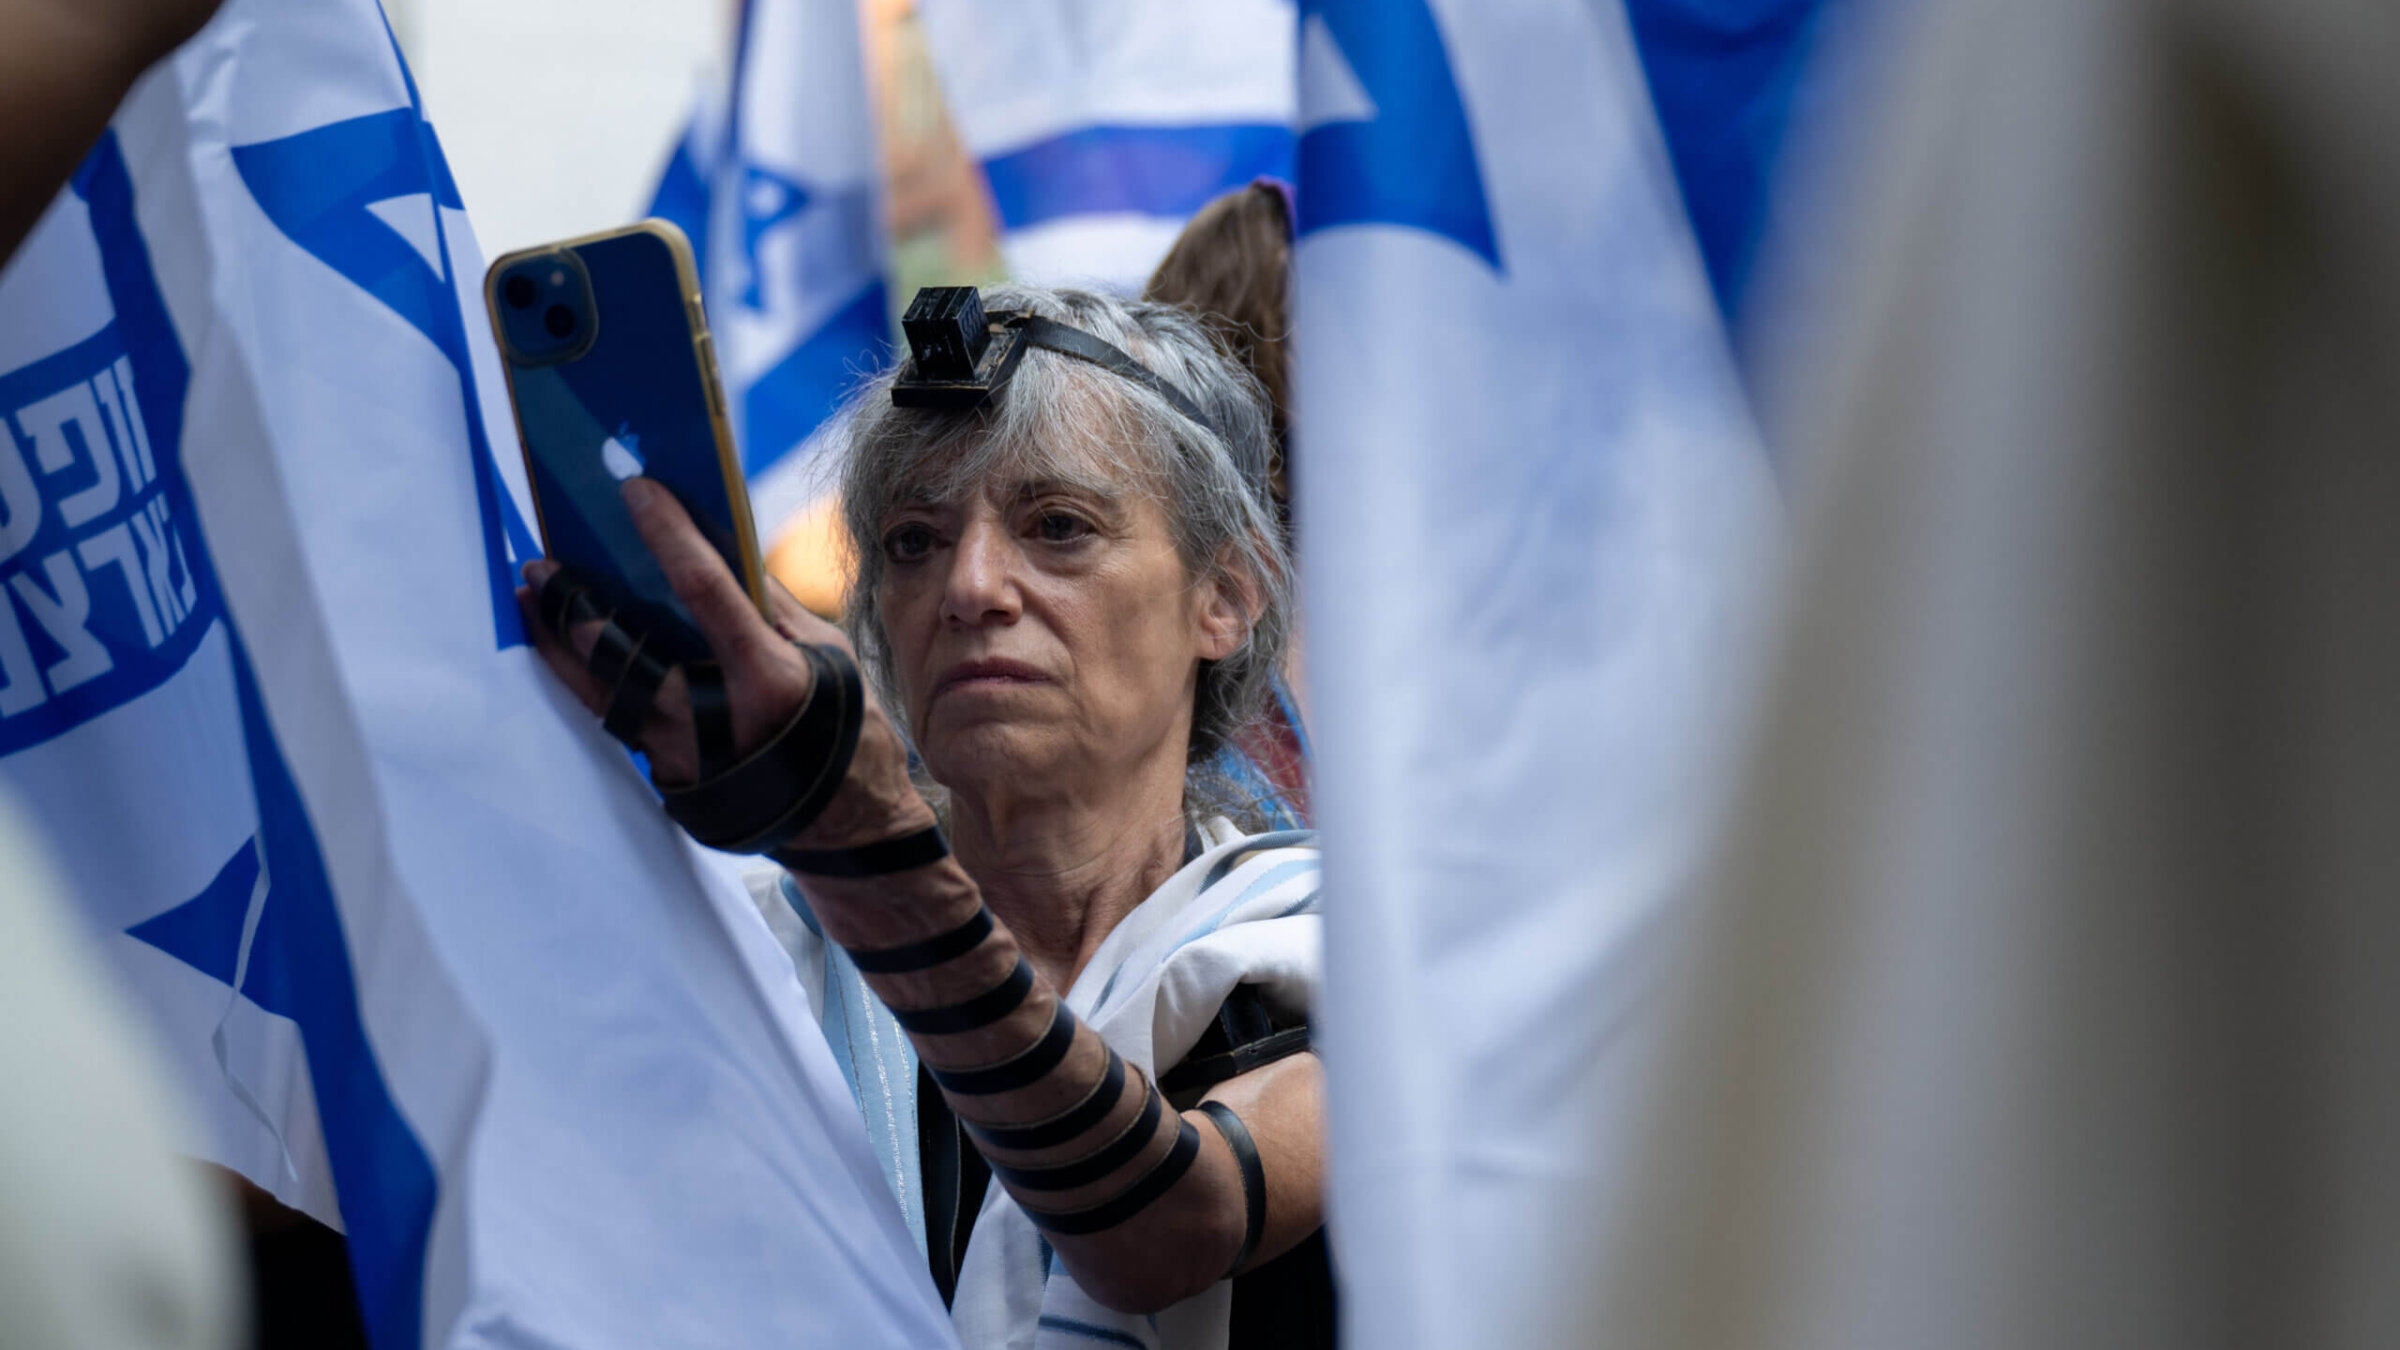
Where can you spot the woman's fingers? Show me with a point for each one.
(765, 677)
(666, 730)
(699, 578)
(563, 660)
(797, 621)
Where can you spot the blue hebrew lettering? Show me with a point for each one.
(1386, 139)
(99, 601)
(353, 193)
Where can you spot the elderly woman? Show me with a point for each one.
(1087, 983)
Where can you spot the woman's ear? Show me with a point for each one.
(1228, 609)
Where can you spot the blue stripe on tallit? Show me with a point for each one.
(1281, 872)
(1267, 881)
(868, 1044)
(1254, 845)
(1300, 906)
(1104, 1335)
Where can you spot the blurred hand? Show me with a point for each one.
(766, 677)
(64, 64)
(143, 30)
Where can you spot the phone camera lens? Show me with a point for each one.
(518, 290)
(559, 319)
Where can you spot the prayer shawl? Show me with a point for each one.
(1243, 912)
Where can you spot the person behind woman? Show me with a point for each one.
(1232, 266)
(1067, 601)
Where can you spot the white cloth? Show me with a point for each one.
(2045, 995)
(106, 1240)
(1538, 524)
(1243, 912)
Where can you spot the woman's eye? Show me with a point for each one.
(908, 543)
(1057, 527)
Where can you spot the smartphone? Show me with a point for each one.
(611, 374)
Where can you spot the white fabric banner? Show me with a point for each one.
(1537, 525)
(779, 190)
(1102, 125)
(432, 964)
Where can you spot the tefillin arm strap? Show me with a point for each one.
(757, 802)
(1076, 1148)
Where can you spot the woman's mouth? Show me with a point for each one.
(990, 673)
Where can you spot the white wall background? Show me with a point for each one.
(557, 115)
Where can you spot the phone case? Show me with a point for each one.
(635, 394)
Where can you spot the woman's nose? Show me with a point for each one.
(983, 582)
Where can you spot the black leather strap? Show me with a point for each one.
(1248, 1033)
(928, 953)
(903, 853)
(1136, 1198)
(1066, 1176)
(1020, 1070)
(712, 715)
(1254, 1179)
(1067, 1125)
(565, 601)
(1058, 337)
(620, 661)
(784, 785)
(972, 1014)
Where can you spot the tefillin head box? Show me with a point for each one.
(959, 356)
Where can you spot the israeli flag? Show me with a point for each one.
(432, 965)
(1536, 521)
(1102, 125)
(777, 183)
(1731, 81)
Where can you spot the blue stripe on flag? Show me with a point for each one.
(795, 396)
(1152, 171)
(317, 186)
(1726, 79)
(385, 1181)
(382, 1174)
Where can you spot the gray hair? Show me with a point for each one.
(1060, 417)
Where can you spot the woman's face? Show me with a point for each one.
(1046, 637)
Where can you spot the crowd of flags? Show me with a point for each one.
(428, 960)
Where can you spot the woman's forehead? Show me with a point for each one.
(1004, 473)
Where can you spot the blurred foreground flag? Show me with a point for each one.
(432, 965)
(777, 186)
(1731, 81)
(1537, 524)
(1102, 125)
(2045, 991)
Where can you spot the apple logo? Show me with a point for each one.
(622, 453)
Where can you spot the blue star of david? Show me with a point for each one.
(205, 933)
(318, 187)
(1413, 163)
(768, 200)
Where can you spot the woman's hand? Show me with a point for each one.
(766, 677)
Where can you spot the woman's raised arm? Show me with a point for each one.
(1145, 1205)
